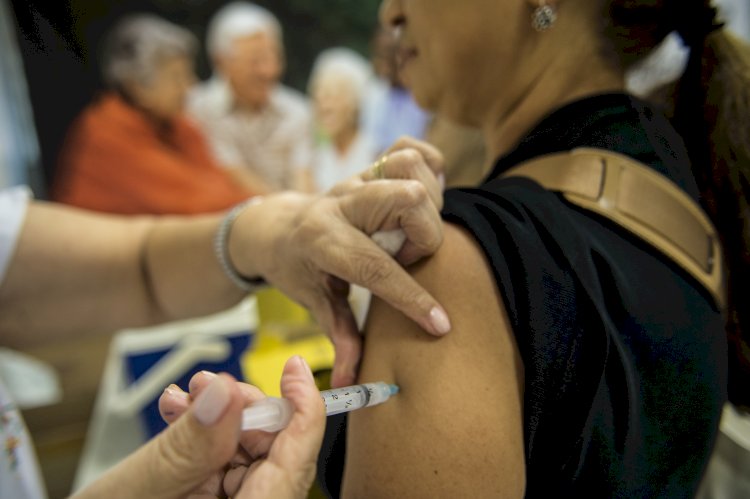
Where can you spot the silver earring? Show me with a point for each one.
(543, 17)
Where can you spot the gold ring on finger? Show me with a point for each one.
(378, 168)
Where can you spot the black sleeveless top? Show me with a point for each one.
(624, 354)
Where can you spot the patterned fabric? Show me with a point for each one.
(19, 472)
(273, 143)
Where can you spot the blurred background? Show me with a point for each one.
(58, 42)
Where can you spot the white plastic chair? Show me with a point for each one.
(141, 363)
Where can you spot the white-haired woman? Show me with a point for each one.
(338, 83)
(132, 151)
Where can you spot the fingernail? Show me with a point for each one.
(305, 366)
(441, 180)
(439, 321)
(192, 385)
(174, 391)
(211, 403)
(174, 396)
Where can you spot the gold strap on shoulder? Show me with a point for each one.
(642, 201)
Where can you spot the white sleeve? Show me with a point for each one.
(13, 203)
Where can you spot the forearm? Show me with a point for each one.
(182, 274)
(76, 272)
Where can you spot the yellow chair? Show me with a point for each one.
(285, 329)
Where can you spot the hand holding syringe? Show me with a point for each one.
(273, 414)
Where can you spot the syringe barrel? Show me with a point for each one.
(354, 397)
(273, 414)
(269, 414)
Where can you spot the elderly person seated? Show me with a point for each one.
(132, 151)
(338, 83)
(258, 128)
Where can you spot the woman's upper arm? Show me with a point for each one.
(456, 427)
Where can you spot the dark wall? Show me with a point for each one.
(59, 41)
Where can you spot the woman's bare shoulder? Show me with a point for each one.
(459, 413)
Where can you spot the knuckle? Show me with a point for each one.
(175, 457)
(414, 192)
(306, 231)
(426, 242)
(435, 241)
(439, 236)
(430, 238)
(312, 227)
(371, 269)
(405, 140)
(344, 186)
(410, 157)
(438, 157)
(400, 143)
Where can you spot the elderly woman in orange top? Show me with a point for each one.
(132, 151)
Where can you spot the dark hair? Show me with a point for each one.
(710, 107)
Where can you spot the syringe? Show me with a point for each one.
(273, 414)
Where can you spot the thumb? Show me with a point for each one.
(289, 468)
(199, 444)
(186, 454)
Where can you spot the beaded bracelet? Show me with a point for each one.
(221, 240)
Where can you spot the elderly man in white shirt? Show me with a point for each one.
(258, 128)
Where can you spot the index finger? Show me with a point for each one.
(381, 206)
(397, 287)
(407, 164)
(371, 267)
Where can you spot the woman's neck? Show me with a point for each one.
(504, 129)
(503, 133)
